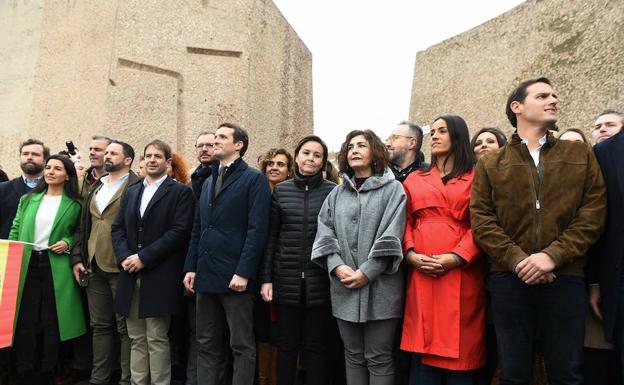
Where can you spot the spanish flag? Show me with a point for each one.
(10, 266)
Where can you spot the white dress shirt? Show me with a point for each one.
(148, 193)
(106, 192)
(536, 152)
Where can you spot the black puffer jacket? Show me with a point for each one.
(294, 212)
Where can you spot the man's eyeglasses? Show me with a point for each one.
(204, 145)
(394, 137)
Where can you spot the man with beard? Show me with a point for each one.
(404, 147)
(97, 148)
(32, 159)
(204, 149)
(94, 253)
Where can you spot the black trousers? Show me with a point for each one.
(37, 311)
(302, 330)
(556, 310)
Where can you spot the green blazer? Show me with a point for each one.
(69, 309)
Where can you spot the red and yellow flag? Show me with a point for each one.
(10, 266)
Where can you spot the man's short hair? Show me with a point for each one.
(518, 95)
(416, 132)
(610, 111)
(128, 151)
(239, 135)
(28, 142)
(162, 146)
(202, 134)
(102, 137)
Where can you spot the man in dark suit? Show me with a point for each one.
(604, 268)
(150, 238)
(33, 154)
(230, 230)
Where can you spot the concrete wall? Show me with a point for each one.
(144, 69)
(577, 44)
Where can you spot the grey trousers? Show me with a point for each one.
(215, 313)
(107, 327)
(368, 351)
(150, 356)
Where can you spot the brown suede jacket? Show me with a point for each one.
(558, 208)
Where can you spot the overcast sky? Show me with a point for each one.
(363, 54)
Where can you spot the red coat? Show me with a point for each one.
(444, 316)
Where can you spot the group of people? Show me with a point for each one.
(447, 272)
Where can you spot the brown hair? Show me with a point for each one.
(331, 174)
(28, 142)
(379, 153)
(265, 158)
(160, 145)
(179, 169)
(581, 133)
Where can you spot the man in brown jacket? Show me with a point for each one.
(94, 253)
(537, 205)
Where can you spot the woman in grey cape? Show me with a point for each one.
(358, 241)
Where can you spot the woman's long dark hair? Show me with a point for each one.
(463, 160)
(71, 186)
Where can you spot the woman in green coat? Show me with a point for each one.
(48, 297)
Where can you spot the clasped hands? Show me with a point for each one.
(132, 264)
(352, 279)
(434, 265)
(536, 269)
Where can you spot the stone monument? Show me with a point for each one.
(578, 45)
(138, 70)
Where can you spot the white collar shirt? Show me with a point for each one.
(107, 191)
(148, 193)
(536, 152)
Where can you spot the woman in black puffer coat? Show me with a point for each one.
(299, 287)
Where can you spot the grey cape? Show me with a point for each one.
(364, 230)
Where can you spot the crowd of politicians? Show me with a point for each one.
(387, 269)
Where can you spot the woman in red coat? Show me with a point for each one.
(445, 304)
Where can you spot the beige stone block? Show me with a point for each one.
(144, 69)
(576, 44)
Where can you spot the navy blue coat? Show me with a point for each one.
(230, 230)
(10, 194)
(604, 263)
(160, 238)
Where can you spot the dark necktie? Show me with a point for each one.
(219, 183)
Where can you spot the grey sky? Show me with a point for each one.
(363, 54)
